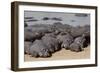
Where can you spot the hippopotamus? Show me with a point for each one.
(27, 45)
(75, 47)
(65, 40)
(80, 40)
(78, 44)
(80, 30)
(36, 32)
(39, 49)
(61, 37)
(53, 35)
(51, 42)
(30, 35)
(56, 32)
(87, 37)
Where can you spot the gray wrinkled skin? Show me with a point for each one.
(78, 44)
(87, 37)
(80, 41)
(51, 42)
(79, 31)
(27, 46)
(65, 40)
(39, 49)
(75, 47)
(61, 27)
(36, 32)
(56, 32)
(65, 45)
(53, 35)
(47, 39)
(29, 35)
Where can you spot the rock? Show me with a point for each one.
(81, 15)
(46, 18)
(56, 19)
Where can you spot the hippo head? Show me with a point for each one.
(75, 47)
(65, 45)
(44, 53)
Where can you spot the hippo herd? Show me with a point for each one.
(43, 40)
